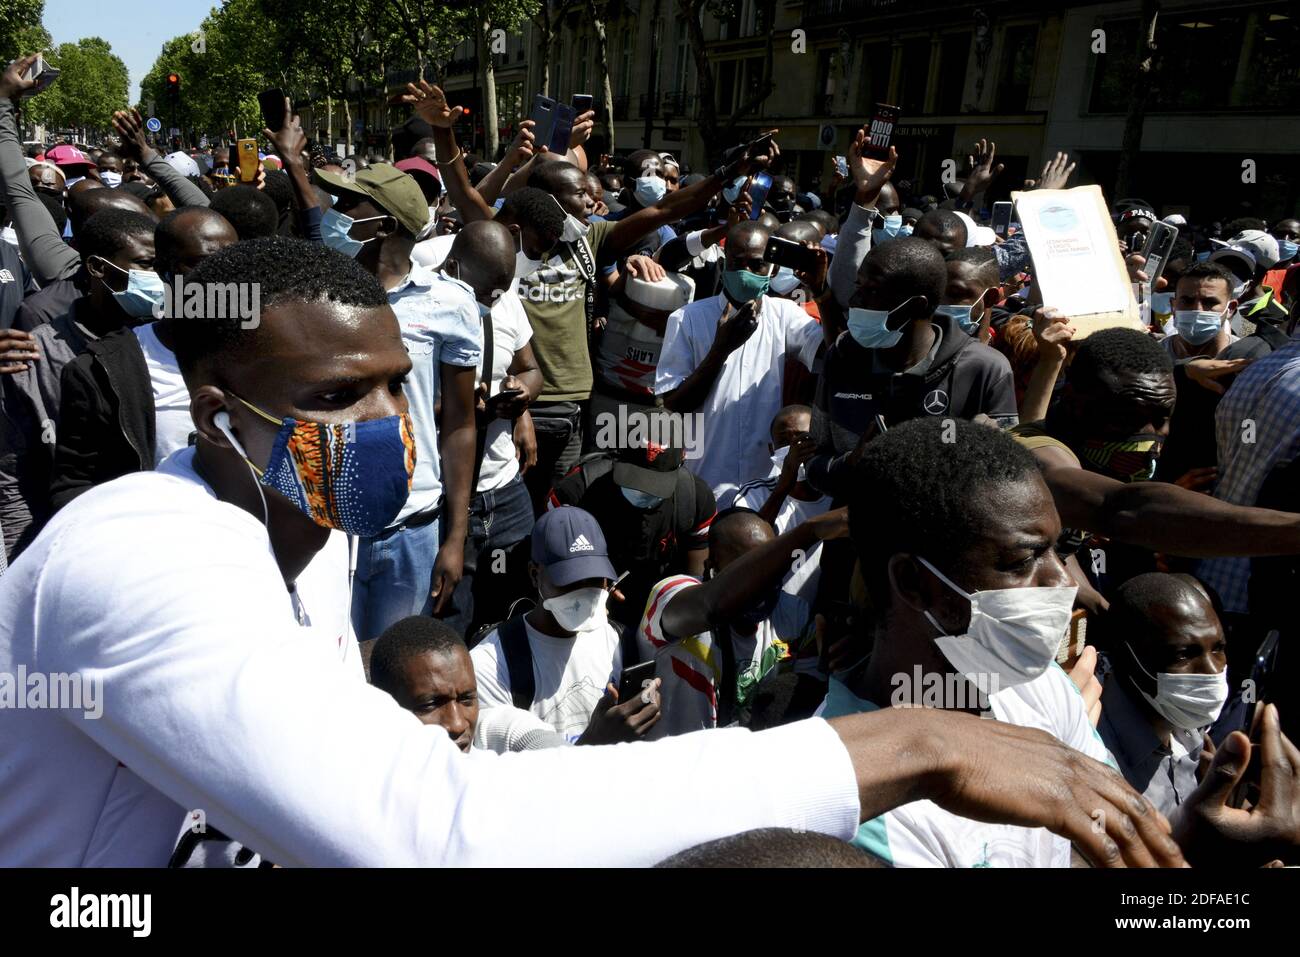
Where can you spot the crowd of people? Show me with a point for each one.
(754, 493)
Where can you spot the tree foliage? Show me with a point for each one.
(92, 83)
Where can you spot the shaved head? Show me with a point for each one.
(484, 255)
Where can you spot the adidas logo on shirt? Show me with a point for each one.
(580, 544)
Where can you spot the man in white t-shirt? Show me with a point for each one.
(424, 664)
(174, 605)
(500, 510)
(560, 660)
(972, 603)
(725, 358)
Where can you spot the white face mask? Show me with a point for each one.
(110, 179)
(581, 610)
(1188, 702)
(1013, 633)
(778, 462)
(524, 266)
(574, 228)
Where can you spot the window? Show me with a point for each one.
(875, 83)
(753, 78)
(584, 63)
(954, 54)
(1197, 62)
(625, 63)
(824, 89)
(726, 87)
(1017, 69)
(916, 75)
(682, 73)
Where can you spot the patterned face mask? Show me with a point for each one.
(1129, 460)
(352, 476)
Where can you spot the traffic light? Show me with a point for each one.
(173, 86)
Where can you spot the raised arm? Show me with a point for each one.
(431, 106)
(1164, 517)
(47, 256)
(134, 145)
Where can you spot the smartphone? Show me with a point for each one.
(42, 73)
(582, 102)
(759, 186)
(1160, 243)
(272, 104)
(248, 161)
(504, 395)
(1002, 218)
(881, 131)
(552, 124)
(634, 679)
(787, 252)
(842, 167)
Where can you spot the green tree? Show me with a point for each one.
(92, 83)
(21, 31)
(490, 16)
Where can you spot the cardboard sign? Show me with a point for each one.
(1077, 265)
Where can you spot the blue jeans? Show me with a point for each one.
(394, 577)
(496, 559)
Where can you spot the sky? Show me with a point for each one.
(136, 29)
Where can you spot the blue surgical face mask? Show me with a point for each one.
(892, 224)
(336, 232)
(784, 281)
(648, 190)
(905, 230)
(1162, 303)
(868, 327)
(961, 315)
(742, 285)
(1286, 250)
(1197, 327)
(642, 500)
(143, 293)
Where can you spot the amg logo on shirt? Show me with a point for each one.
(853, 395)
(103, 910)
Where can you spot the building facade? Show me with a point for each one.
(1033, 76)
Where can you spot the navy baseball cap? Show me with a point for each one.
(569, 544)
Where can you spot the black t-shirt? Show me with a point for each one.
(646, 543)
(15, 283)
(48, 304)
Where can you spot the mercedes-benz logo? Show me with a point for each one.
(936, 402)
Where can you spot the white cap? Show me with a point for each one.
(183, 163)
(1175, 219)
(667, 295)
(1260, 245)
(976, 235)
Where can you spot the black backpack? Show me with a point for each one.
(597, 465)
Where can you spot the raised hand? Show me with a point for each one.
(289, 141)
(12, 83)
(1056, 172)
(130, 130)
(983, 170)
(583, 124)
(431, 105)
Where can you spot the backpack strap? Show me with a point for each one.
(684, 500)
(587, 266)
(482, 423)
(519, 661)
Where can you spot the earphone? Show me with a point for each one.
(222, 421)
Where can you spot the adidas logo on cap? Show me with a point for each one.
(580, 544)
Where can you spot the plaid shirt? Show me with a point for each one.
(1258, 429)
